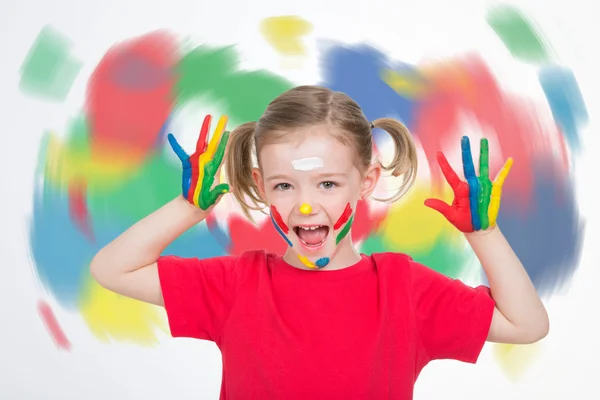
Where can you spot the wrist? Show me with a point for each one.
(191, 209)
(478, 233)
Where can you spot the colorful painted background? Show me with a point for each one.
(113, 166)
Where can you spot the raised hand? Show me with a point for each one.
(200, 170)
(459, 213)
(476, 201)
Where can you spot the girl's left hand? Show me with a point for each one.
(477, 201)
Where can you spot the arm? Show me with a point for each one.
(128, 265)
(520, 316)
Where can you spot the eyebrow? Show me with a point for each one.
(325, 175)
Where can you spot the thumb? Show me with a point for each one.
(440, 206)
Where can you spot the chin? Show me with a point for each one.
(316, 254)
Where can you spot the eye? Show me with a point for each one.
(328, 185)
(283, 186)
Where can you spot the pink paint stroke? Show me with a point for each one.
(56, 332)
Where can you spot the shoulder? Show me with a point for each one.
(392, 261)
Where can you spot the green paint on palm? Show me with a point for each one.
(344, 230)
(208, 194)
(518, 34)
(485, 183)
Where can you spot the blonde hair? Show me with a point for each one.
(311, 105)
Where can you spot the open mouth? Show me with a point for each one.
(312, 236)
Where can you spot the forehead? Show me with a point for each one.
(312, 146)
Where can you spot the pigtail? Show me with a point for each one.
(238, 167)
(404, 163)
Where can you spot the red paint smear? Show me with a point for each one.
(126, 119)
(78, 208)
(53, 327)
(247, 236)
(279, 220)
(512, 120)
(345, 216)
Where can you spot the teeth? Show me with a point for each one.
(309, 228)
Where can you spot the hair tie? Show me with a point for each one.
(372, 126)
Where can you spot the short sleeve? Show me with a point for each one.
(453, 319)
(197, 294)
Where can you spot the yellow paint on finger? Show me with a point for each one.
(205, 157)
(112, 316)
(284, 33)
(495, 196)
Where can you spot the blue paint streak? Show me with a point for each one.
(565, 101)
(548, 237)
(283, 235)
(357, 71)
(62, 253)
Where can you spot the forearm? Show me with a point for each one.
(515, 296)
(143, 243)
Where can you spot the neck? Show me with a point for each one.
(344, 257)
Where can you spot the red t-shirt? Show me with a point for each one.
(363, 332)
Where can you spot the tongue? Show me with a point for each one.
(312, 237)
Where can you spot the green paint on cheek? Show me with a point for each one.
(344, 231)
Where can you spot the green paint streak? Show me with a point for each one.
(485, 183)
(212, 74)
(208, 194)
(344, 231)
(49, 69)
(444, 256)
(518, 34)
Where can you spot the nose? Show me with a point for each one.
(305, 209)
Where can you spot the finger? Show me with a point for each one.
(183, 156)
(440, 206)
(467, 158)
(493, 210)
(450, 175)
(216, 138)
(210, 197)
(484, 157)
(201, 143)
(499, 181)
(220, 152)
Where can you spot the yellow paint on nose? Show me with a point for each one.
(305, 209)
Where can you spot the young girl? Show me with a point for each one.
(322, 321)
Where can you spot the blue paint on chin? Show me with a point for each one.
(322, 262)
(281, 232)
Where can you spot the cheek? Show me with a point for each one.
(340, 213)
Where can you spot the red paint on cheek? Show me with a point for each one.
(344, 218)
(279, 220)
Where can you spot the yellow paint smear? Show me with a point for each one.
(112, 317)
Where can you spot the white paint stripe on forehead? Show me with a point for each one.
(307, 164)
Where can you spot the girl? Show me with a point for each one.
(322, 321)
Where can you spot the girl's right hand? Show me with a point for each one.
(201, 185)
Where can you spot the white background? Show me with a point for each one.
(31, 367)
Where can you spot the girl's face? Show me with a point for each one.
(312, 186)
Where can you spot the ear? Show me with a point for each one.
(257, 177)
(370, 180)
